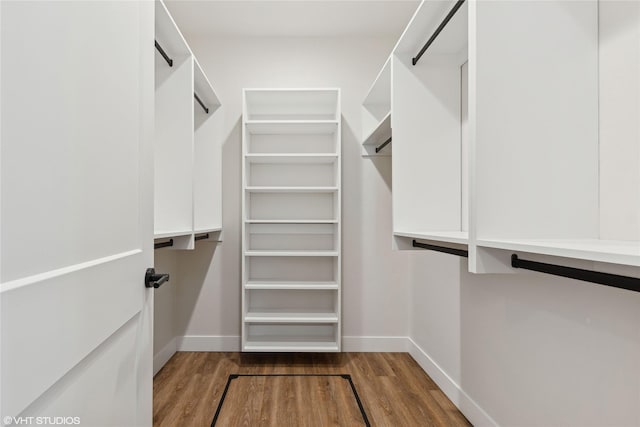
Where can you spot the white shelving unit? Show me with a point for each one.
(376, 114)
(430, 193)
(552, 196)
(499, 152)
(291, 267)
(187, 170)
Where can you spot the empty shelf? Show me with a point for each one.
(291, 221)
(611, 251)
(283, 343)
(290, 285)
(459, 237)
(294, 158)
(292, 253)
(290, 317)
(292, 189)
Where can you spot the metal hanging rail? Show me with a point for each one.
(607, 279)
(202, 237)
(443, 24)
(381, 146)
(163, 244)
(204, 107)
(164, 54)
(444, 249)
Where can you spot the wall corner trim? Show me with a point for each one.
(162, 357)
(474, 413)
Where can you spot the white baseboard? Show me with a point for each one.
(163, 356)
(474, 413)
(373, 344)
(209, 343)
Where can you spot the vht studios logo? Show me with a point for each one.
(48, 421)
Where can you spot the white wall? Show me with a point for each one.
(375, 279)
(536, 350)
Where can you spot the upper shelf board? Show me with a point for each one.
(204, 89)
(452, 40)
(168, 35)
(292, 104)
(380, 92)
(609, 251)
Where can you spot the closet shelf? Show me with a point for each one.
(275, 316)
(275, 127)
(207, 230)
(292, 253)
(380, 133)
(291, 221)
(458, 237)
(609, 251)
(291, 189)
(290, 285)
(293, 158)
(177, 233)
(267, 343)
(379, 93)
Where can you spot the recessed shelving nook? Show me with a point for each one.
(430, 132)
(187, 169)
(291, 271)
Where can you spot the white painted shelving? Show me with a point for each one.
(429, 164)
(497, 151)
(291, 271)
(187, 149)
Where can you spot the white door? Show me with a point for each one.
(76, 212)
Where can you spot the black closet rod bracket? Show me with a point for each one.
(164, 54)
(443, 24)
(204, 107)
(384, 144)
(166, 244)
(444, 249)
(607, 279)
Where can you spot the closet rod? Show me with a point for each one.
(163, 244)
(202, 237)
(206, 110)
(164, 54)
(607, 279)
(384, 144)
(452, 251)
(443, 24)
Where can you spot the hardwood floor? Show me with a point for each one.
(393, 389)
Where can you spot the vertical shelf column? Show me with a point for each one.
(291, 265)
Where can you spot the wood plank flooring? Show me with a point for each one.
(393, 389)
